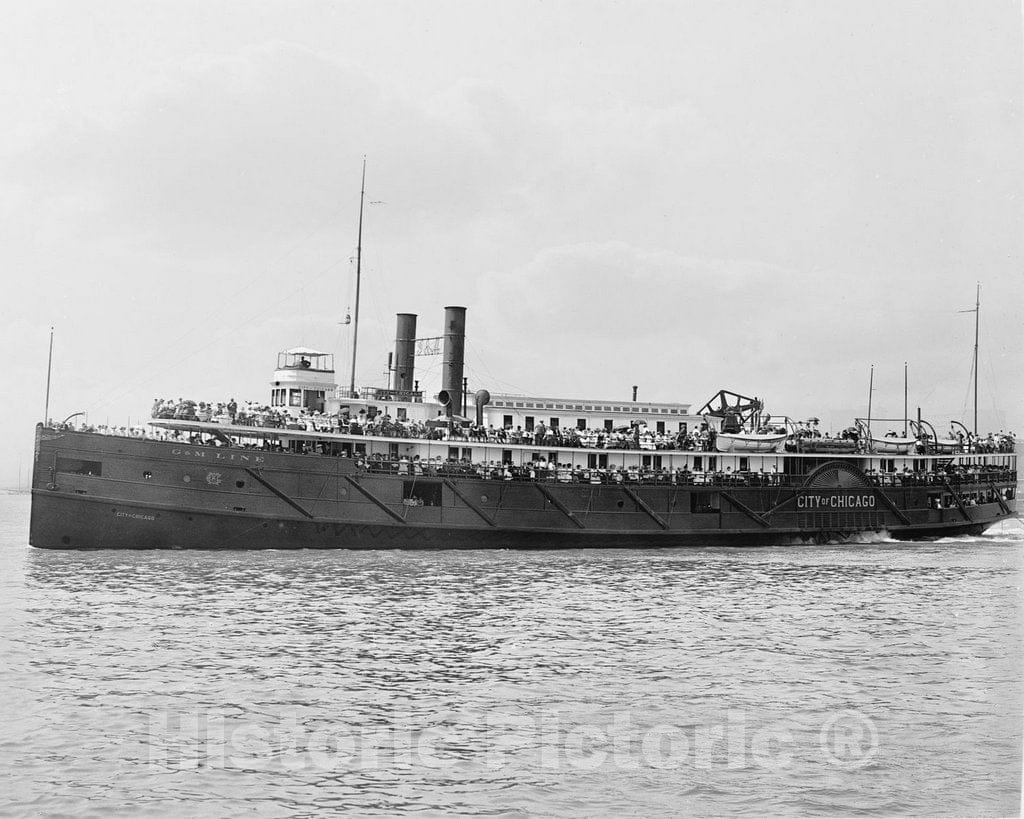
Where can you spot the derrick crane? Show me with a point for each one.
(735, 410)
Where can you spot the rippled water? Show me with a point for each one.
(880, 678)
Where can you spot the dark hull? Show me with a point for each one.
(98, 492)
(67, 523)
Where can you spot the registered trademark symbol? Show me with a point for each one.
(849, 739)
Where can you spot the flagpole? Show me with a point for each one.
(359, 262)
(905, 410)
(49, 369)
(977, 321)
(871, 391)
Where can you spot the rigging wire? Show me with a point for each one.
(128, 388)
(992, 382)
(157, 363)
(251, 282)
(511, 388)
(967, 393)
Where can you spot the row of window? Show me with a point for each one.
(591, 407)
(292, 397)
(595, 460)
(427, 492)
(530, 421)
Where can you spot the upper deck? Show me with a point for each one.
(705, 466)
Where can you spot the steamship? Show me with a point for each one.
(624, 473)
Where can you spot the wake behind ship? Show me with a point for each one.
(324, 466)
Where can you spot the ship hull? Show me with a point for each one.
(98, 492)
(62, 523)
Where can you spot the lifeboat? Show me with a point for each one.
(749, 442)
(893, 446)
(831, 446)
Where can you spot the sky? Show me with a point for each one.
(769, 197)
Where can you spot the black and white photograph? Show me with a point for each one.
(556, 408)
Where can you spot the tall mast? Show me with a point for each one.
(49, 367)
(904, 399)
(359, 267)
(871, 392)
(977, 320)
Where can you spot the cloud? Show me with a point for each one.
(590, 315)
(680, 199)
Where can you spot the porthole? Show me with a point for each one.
(186, 478)
(620, 504)
(239, 484)
(147, 474)
(484, 499)
(65, 540)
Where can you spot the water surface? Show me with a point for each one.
(880, 678)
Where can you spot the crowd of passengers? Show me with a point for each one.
(383, 425)
(636, 436)
(551, 471)
(808, 433)
(953, 475)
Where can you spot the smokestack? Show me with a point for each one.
(634, 393)
(405, 352)
(453, 356)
